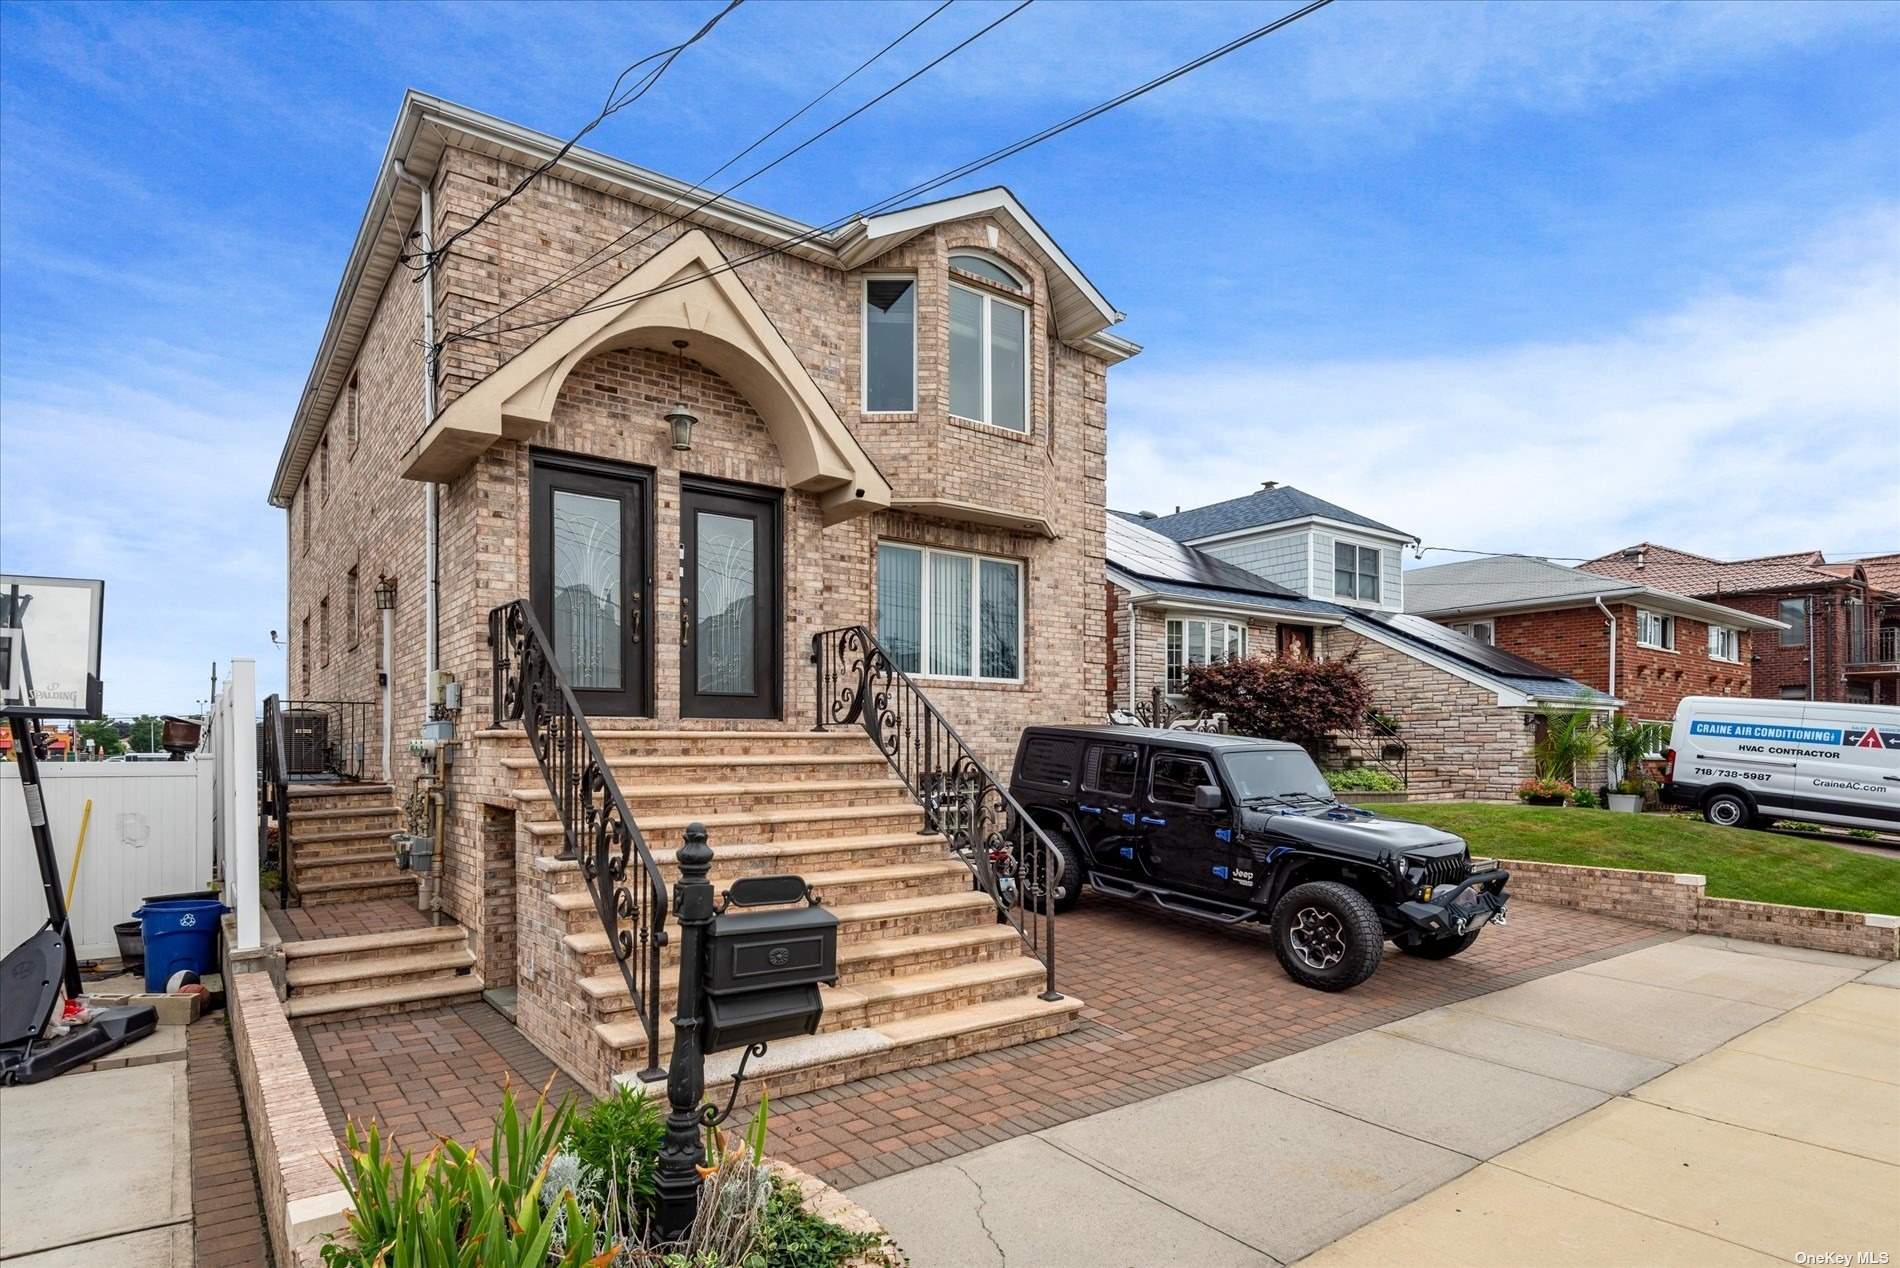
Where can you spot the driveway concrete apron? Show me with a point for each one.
(1629, 1159)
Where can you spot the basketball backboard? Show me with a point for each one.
(49, 646)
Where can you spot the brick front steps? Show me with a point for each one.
(925, 969)
(339, 847)
(379, 973)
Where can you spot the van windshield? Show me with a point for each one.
(1270, 772)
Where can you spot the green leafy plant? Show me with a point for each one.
(1583, 799)
(1631, 742)
(792, 1237)
(1302, 701)
(1863, 834)
(617, 1139)
(1363, 779)
(1541, 788)
(1571, 739)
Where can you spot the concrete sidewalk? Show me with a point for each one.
(1701, 1101)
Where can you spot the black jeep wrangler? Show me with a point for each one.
(1234, 829)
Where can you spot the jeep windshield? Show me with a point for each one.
(1269, 774)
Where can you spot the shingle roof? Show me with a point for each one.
(1883, 571)
(1500, 579)
(1136, 547)
(1257, 510)
(1669, 569)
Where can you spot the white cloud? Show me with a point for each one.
(1743, 421)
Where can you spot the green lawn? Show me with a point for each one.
(1762, 866)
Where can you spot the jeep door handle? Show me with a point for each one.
(1088, 810)
(1153, 822)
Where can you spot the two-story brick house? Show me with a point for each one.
(1832, 645)
(723, 438)
(1644, 644)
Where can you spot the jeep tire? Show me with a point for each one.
(1327, 935)
(1069, 887)
(1726, 808)
(1442, 948)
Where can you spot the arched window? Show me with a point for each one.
(990, 271)
(989, 347)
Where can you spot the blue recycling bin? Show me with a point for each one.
(179, 935)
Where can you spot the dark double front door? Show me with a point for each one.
(592, 563)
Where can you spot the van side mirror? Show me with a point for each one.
(1208, 797)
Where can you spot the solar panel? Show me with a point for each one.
(1462, 646)
(1147, 553)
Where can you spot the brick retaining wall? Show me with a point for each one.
(291, 1135)
(1680, 901)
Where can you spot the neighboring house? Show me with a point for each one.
(1303, 543)
(1467, 713)
(900, 423)
(1842, 643)
(1646, 645)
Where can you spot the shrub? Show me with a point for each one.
(1583, 799)
(1542, 787)
(1630, 742)
(1570, 740)
(616, 1142)
(1301, 701)
(1363, 779)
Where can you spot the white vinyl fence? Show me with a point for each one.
(150, 833)
(230, 746)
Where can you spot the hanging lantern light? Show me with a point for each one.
(680, 420)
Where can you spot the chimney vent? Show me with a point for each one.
(1267, 486)
(1148, 515)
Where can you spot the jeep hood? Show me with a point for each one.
(1352, 833)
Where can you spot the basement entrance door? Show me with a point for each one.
(729, 602)
(587, 578)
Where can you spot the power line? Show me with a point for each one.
(598, 256)
(975, 165)
(616, 100)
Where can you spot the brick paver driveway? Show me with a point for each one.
(1171, 1003)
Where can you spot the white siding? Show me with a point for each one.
(1279, 557)
(1391, 580)
(1322, 565)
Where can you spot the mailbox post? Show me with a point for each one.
(682, 1152)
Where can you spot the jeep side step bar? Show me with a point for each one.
(1168, 900)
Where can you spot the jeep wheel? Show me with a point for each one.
(1440, 948)
(1068, 889)
(1728, 810)
(1327, 935)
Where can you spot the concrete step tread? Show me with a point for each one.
(468, 985)
(340, 812)
(721, 759)
(739, 819)
(337, 790)
(427, 960)
(337, 860)
(594, 941)
(374, 941)
(355, 882)
(961, 1021)
(577, 899)
(645, 792)
(355, 834)
(665, 856)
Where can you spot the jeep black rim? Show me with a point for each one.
(1317, 937)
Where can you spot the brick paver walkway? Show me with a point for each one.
(426, 1073)
(1170, 1002)
(347, 920)
(227, 1217)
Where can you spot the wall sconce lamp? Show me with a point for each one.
(385, 594)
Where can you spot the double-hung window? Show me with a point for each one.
(989, 348)
(1484, 631)
(1653, 629)
(1194, 641)
(948, 614)
(1356, 572)
(890, 345)
(1725, 643)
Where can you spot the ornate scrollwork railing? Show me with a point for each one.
(1009, 853)
(629, 892)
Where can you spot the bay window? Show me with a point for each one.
(949, 614)
(989, 359)
(1198, 641)
(890, 345)
(1355, 572)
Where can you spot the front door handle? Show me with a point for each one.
(634, 612)
(686, 624)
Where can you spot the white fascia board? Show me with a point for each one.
(1173, 603)
(1337, 527)
(1507, 696)
(1638, 596)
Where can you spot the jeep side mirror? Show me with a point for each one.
(1208, 797)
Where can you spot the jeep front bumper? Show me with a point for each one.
(1452, 910)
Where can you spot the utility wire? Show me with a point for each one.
(595, 259)
(616, 100)
(975, 165)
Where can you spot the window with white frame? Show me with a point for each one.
(1654, 629)
(890, 345)
(989, 349)
(1194, 640)
(1356, 572)
(1484, 631)
(950, 614)
(1725, 643)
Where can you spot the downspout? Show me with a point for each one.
(431, 507)
(389, 694)
(1134, 659)
(1609, 618)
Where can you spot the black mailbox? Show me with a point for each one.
(763, 968)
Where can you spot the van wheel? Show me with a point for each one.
(1327, 935)
(1068, 888)
(1728, 810)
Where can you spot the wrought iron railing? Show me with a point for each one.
(1377, 743)
(325, 737)
(598, 830)
(1868, 646)
(1009, 853)
(274, 792)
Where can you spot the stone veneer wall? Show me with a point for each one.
(1680, 901)
(1460, 741)
(289, 1131)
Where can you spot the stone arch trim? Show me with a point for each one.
(697, 298)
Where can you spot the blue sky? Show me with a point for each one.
(1547, 277)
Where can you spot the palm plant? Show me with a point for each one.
(1629, 742)
(1570, 740)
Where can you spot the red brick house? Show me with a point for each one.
(1644, 644)
(1842, 641)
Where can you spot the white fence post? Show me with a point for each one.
(238, 754)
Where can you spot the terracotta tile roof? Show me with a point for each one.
(1669, 569)
(1883, 571)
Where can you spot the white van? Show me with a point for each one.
(1744, 762)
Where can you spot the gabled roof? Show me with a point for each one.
(1882, 571)
(1525, 583)
(1136, 548)
(426, 126)
(1670, 569)
(1262, 508)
